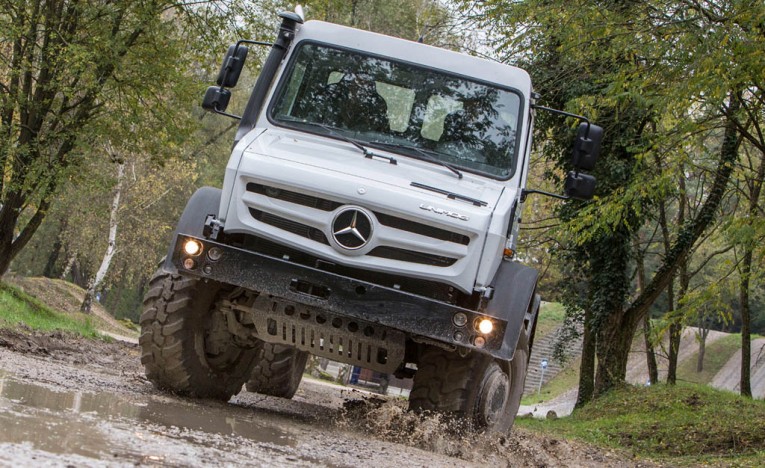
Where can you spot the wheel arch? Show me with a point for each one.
(515, 300)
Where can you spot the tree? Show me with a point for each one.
(653, 74)
(72, 71)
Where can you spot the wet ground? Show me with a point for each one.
(68, 401)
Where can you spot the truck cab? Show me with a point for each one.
(369, 214)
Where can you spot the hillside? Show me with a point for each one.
(722, 362)
(62, 296)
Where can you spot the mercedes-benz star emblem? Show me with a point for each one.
(352, 229)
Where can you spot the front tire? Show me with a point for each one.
(478, 388)
(186, 347)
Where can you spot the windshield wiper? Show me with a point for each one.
(427, 154)
(334, 132)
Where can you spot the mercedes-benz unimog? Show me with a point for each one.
(369, 214)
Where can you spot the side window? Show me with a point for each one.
(400, 101)
(436, 111)
(287, 104)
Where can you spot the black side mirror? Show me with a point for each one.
(232, 66)
(216, 99)
(579, 186)
(586, 146)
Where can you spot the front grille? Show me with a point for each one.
(385, 219)
(293, 197)
(411, 256)
(290, 226)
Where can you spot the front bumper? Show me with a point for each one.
(419, 317)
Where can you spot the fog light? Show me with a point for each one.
(189, 264)
(459, 319)
(485, 326)
(479, 342)
(192, 247)
(215, 254)
(459, 336)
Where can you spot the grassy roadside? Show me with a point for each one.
(683, 424)
(18, 308)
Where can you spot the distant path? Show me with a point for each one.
(729, 376)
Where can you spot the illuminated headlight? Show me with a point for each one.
(192, 247)
(485, 326)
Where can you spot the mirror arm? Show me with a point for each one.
(567, 114)
(525, 193)
(237, 117)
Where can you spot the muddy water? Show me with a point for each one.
(93, 424)
(65, 401)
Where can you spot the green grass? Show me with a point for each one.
(18, 308)
(715, 357)
(566, 379)
(551, 317)
(684, 424)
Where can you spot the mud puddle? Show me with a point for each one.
(106, 426)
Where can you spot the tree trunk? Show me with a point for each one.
(675, 334)
(614, 344)
(587, 366)
(69, 266)
(650, 353)
(95, 282)
(755, 189)
(702, 335)
(746, 338)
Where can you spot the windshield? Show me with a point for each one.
(414, 111)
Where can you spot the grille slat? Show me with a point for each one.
(411, 256)
(290, 226)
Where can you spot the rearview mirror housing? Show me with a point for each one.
(232, 65)
(586, 146)
(579, 186)
(216, 99)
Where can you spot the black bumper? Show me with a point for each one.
(414, 315)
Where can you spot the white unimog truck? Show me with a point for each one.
(368, 215)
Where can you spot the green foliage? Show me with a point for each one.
(18, 308)
(662, 78)
(679, 424)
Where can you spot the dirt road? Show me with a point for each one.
(70, 401)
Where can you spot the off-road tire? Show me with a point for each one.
(476, 388)
(278, 370)
(175, 336)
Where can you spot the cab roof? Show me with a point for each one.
(416, 53)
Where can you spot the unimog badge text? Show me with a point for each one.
(451, 214)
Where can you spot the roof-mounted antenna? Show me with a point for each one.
(299, 11)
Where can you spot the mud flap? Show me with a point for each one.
(514, 288)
